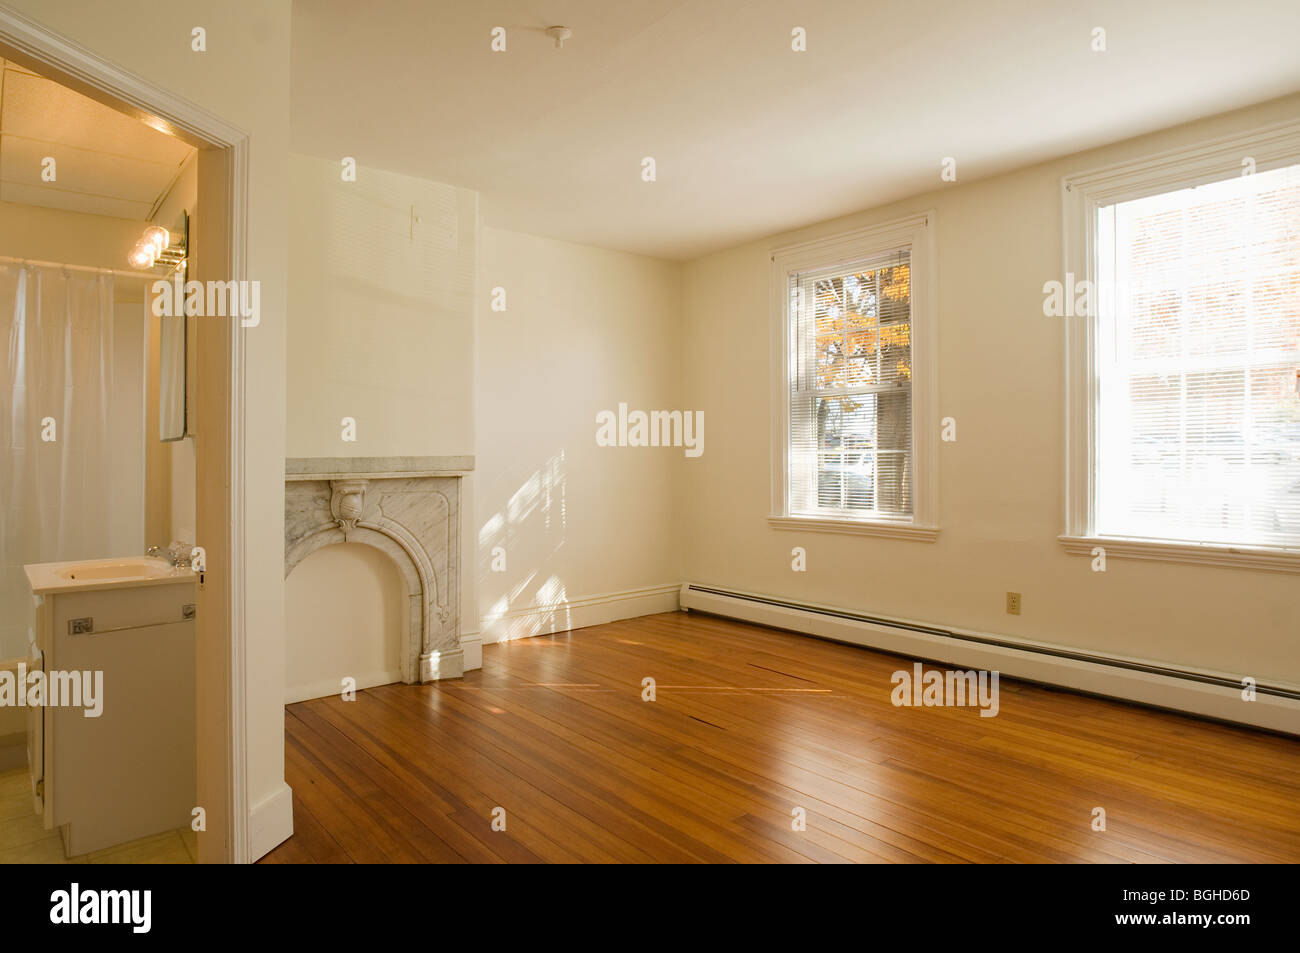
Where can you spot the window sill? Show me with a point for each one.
(1206, 554)
(819, 524)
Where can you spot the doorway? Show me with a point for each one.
(218, 254)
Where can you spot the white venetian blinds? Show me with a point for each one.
(850, 336)
(1198, 363)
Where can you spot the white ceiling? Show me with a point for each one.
(105, 163)
(749, 137)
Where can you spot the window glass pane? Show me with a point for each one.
(851, 399)
(1198, 363)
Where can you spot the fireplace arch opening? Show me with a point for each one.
(347, 613)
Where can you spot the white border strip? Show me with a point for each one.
(1209, 554)
(527, 621)
(270, 822)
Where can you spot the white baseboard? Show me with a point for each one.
(334, 686)
(579, 613)
(270, 822)
(471, 645)
(1016, 658)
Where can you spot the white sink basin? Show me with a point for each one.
(101, 570)
(118, 572)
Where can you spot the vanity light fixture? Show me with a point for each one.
(156, 247)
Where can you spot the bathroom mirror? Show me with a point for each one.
(173, 340)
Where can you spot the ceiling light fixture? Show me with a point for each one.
(559, 34)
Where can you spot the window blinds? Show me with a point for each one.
(1198, 363)
(850, 404)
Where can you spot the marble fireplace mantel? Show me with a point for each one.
(409, 509)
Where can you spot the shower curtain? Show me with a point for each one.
(58, 384)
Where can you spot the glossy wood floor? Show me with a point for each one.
(749, 724)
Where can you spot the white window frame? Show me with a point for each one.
(915, 232)
(1270, 147)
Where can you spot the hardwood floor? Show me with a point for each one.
(749, 724)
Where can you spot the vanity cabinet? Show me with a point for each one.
(114, 761)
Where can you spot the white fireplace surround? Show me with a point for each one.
(407, 508)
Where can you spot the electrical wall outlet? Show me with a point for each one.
(1013, 603)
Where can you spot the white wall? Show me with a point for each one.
(72, 238)
(381, 330)
(1001, 483)
(584, 328)
(380, 324)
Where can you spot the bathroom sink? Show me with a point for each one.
(118, 572)
(100, 570)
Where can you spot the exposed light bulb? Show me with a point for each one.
(142, 255)
(159, 237)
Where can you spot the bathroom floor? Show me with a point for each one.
(24, 841)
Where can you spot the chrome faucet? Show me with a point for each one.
(177, 554)
(180, 553)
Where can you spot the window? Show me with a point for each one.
(849, 312)
(1192, 374)
(851, 389)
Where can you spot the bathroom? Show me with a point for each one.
(95, 207)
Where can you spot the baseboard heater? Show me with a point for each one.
(1216, 695)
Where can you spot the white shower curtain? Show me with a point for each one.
(58, 382)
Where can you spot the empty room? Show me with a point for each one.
(677, 432)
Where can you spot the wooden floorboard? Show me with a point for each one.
(748, 724)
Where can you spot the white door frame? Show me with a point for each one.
(32, 45)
